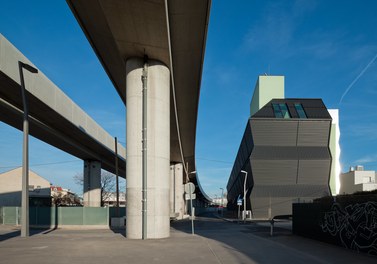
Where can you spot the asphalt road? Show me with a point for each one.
(215, 241)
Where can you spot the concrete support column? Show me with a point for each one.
(177, 202)
(92, 183)
(172, 192)
(158, 149)
(179, 191)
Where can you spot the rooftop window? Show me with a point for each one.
(281, 111)
(300, 111)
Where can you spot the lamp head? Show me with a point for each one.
(28, 67)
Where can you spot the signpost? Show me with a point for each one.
(189, 190)
(187, 196)
(239, 203)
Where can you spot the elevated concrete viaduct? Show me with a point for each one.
(153, 52)
(57, 120)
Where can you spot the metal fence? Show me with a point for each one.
(60, 216)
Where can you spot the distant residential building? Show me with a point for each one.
(219, 202)
(64, 197)
(357, 180)
(110, 199)
(11, 189)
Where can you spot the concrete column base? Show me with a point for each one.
(92, 183)
(177, 201)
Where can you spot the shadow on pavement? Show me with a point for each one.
(10, 235)
(236, 239)
(119, 230)
(252, 241)
(13, 232)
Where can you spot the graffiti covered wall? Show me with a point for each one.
(353, 226)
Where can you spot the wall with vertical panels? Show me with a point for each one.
(289, 158)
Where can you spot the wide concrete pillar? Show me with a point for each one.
(157, 147)
(177, 202)
(92, 183)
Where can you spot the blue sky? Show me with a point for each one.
(325, 49)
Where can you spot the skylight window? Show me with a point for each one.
(300, 111)
(281, 111)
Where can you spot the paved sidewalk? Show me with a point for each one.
(215, 241)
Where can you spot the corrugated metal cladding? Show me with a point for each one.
(274, 171)
(315, 153)
(290, 158)
(269, 201)
(289, 153)
(267, 207)
(313, 133)
(313, 171)
(274, 153)
(274, 132)
(290, 190)
(242, 162)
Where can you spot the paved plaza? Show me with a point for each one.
(215, 241)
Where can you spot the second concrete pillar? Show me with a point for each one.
(92, 183)
(158, 149)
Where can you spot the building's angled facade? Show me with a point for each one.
(285, 150)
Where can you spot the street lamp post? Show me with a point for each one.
(244, 196)
(222, 202)
(25, 153)
(117, 177)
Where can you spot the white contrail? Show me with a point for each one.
(357, 78)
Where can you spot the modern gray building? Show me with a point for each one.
(285, 151)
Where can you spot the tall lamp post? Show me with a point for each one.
(222, 203)
(25, 153)
(117, 176)
(244, 196)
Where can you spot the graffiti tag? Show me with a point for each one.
(355, 226)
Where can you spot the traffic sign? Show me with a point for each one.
(193, 196)
(239, 202)
(189, 187)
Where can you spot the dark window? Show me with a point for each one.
(300, 111)
(281, 111)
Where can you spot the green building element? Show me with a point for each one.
(266, 89)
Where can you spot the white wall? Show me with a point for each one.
(11, 187)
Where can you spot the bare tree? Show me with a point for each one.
(108, 184)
